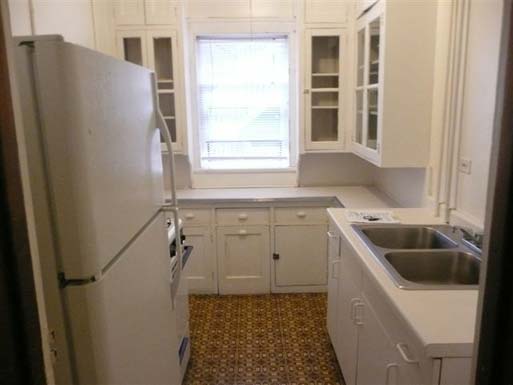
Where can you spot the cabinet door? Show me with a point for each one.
(349, 288)
(323, 91)
(244, 259)
(129, 12)
(132, 47)
(382, 360)
(333, 277)
(273, 9)
(218, 9)
(201, 269)
(302, 255)
(325, 11)
(162, 58)
(161, 12)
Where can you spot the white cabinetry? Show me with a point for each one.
(325, 50)
(140, 12)
(157, 49)
(201, 272)
(300, 256)
(240, 9)
(326, 11)
(243, 255)
(333, 278)
(394, 79)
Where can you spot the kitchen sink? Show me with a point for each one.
(436, 267)
(423, 257)
(408, 238)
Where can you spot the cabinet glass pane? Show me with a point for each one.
(132, 47)
(163, 58)
(359, 117)
(372, 119)
(324, 81)
(171, 125)
(324, 99)
(167, 104)
(325, 55)
(374, 35)
(361, 57)
(324, 124)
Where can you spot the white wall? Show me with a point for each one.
(405, 186)
(479, 107)
(20, 17)
(334, 170)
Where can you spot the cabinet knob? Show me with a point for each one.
(276, 256)
(243, 232)
(189, 216)
(243, 216)
(301, 214)
(306, 92)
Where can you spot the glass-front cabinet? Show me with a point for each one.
(367, 122)
(323, 86)
(156, 49)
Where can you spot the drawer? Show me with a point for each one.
(298, 215)
(253, 216)
(192, 217)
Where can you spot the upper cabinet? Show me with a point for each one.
(323, 90)
(228, 9)
(326, 11)
(151, 12)
(394, 62)
(157, 49)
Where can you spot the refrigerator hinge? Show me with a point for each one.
(64, 282)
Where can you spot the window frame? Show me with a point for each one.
(243, 30)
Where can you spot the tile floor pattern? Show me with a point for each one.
(261, 340)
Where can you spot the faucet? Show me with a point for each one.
(471, 238)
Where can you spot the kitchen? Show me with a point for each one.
(290, 129)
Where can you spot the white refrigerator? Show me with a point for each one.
(93, 128)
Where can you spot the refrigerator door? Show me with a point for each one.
(123, 328)
(102, 152)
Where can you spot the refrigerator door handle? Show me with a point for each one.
(164, 130)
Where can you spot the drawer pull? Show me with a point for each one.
(243, 232)
(190, 216)
(332, 235)
(403, 350)
(301, 214)
(243, 216)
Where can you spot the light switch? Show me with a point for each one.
(465, 166)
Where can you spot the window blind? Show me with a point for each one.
(243, 102)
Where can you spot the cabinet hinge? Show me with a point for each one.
(52, 347)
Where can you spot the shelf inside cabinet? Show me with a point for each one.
(320, 74)
(324, 125)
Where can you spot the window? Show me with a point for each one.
(243, 102)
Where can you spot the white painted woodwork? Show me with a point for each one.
(303, 255)
(244, 259)
(131, 45)
(129, 12)
(161, 12)
(243, 216)
(202, 266)
(363, 5)
(300, 215)
(349, 286)
(326, 11)
(403, 105)
(333, 279)
(227, 9)
(273, 9)
(323, 90)
(194, 217)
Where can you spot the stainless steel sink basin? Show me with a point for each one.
(408, 238)
(422, 257)
(436, 267)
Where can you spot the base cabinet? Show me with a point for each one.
(372, 343)
(243, 255)
(202, 269)
(333, 277)
(300, 255)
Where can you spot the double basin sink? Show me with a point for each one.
(423, 257)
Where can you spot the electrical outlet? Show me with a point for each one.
(465, 166)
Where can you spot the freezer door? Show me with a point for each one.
(102, 151)
(123, 327)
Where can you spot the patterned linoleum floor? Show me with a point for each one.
(261, 339)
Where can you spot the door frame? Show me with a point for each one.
(21, 350)
(493, 348)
